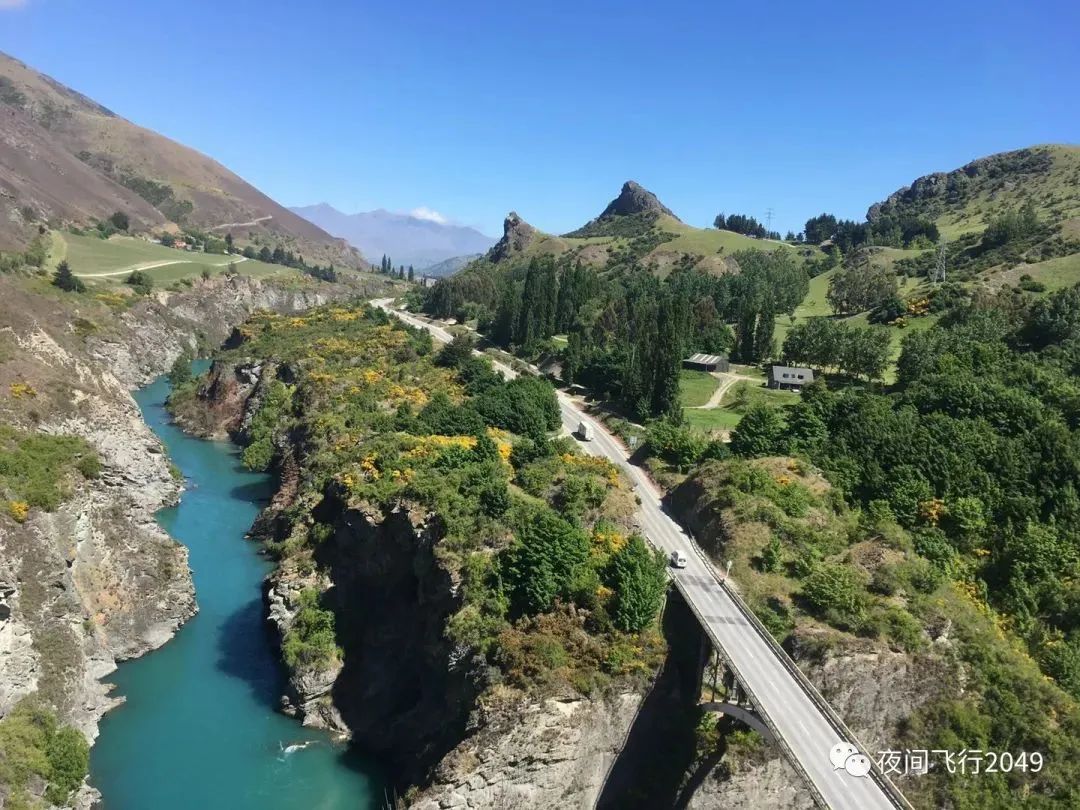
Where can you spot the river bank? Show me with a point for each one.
(200, 726)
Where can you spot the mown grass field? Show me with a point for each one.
(695, 387)
(110, 260)
(735, 402)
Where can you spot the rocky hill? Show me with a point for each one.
(634, 226)
(65, 159)
(963, 199)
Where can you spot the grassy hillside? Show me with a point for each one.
(634, 228)
(961, 201)
(674, 239)
(72, 160)
(112, 260)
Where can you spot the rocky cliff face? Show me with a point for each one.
(547, 755)
(517, 235)
(634, 199)
(147, 338)
(403, 690)
(97, 580)
(406, 693)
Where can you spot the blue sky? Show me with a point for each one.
(476, 108)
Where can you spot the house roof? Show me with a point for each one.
(792, 375)
(705, 359)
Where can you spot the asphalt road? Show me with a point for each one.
(798, 721)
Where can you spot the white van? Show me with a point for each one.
(584, 432)
(678, 559)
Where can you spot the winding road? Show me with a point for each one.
(805, 726)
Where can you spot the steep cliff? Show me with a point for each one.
(387, 534)
(96, 580)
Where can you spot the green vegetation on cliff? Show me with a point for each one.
(34, 745)
(556, 592)
(39, 470)
(950, 524)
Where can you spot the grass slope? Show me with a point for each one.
(93, 258)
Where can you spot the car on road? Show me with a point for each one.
(677, 559)
(584, 432)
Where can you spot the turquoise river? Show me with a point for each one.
(200, 727)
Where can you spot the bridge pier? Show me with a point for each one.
(721, 679)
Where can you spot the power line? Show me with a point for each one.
(768, 219)
(939, 267)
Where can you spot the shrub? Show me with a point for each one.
(140, 281)
(33, 743)
(310, 640)
(19, 510)
(836, 593)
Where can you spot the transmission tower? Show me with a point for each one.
(939, 266)
(768, 219)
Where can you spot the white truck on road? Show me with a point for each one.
(584, 432)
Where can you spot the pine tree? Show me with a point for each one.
(412, 273)
(66, 280)
(667, 360)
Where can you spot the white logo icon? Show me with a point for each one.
(845, 755)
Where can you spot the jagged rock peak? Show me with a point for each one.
(634, 199)
(517, 234)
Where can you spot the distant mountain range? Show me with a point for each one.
(408, 240)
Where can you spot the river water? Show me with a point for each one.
(200, 730)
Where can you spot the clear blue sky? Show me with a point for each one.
(474, 109)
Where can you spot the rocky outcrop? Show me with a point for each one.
(764, 779)
(147, 338)
(634, 199)
(225, 402)
(404, 691)
(932, 194)
(545, 755)
(517, 235)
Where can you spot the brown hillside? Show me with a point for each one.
(47, 128)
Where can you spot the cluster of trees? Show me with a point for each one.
(629, 346)
(977, 452)
(386, 267)
(861, 287)
(887, 230)
(768, 285)
(1011, 225)
(627, 330)
(544, 303)
(289, 259)
(825, 343)
(741, 223)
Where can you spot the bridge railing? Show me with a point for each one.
(888, 788)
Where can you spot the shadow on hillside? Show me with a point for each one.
(650, 772)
